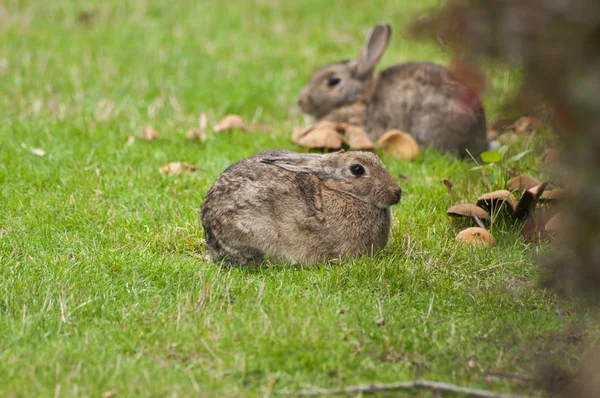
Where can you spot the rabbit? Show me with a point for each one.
(298, 207)
(422, 99)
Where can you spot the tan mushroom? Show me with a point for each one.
(319, 135)
(357, 138)
(523, 182)
(554, 194)
(467, 210)
(399, 144)
(494, 201)
(476, 236)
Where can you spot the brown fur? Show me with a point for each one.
(299, 207)
(423, 99)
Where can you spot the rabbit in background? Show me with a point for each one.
(299, 207)
(422, 99)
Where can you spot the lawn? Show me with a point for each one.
(104, 282)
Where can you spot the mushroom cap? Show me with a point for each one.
(497, 198)
(476, 236)
(554, 194)
(357, 138)
(319, 135)
(399, 144)
(523, 182)
(467, 210)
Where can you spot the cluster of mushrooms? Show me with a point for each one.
(536, 208)
(333, 135)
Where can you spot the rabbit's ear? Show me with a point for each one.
(375, 46)
(305, 163)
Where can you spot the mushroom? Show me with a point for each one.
(357, 138)
(554, 194)
(319, 135)
(523, 182)
(467, 210)
(476, 236)
(494, 201)
(230, 122)
(399, 144)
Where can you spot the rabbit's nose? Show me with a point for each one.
(398, 193)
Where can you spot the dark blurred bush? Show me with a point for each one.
(556, 43)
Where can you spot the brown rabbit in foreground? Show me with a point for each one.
(299, 207)
(423, 99)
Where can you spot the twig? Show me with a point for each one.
(405, 385)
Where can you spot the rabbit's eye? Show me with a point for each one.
(357, 170)
(333, 81)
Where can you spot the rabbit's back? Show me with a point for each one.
(426, 100)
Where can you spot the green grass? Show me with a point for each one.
(104, 283)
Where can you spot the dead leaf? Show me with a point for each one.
(357, 138)
(528, 201)
(177, 168)
(149, 134)
(4, 231)
(109, 394)
(399, 144)
(230, 122)
(35, 151)
(472, 363)
(320, 135)
(199, 132)
(476, 236)
(448, 185)
(130, 140)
